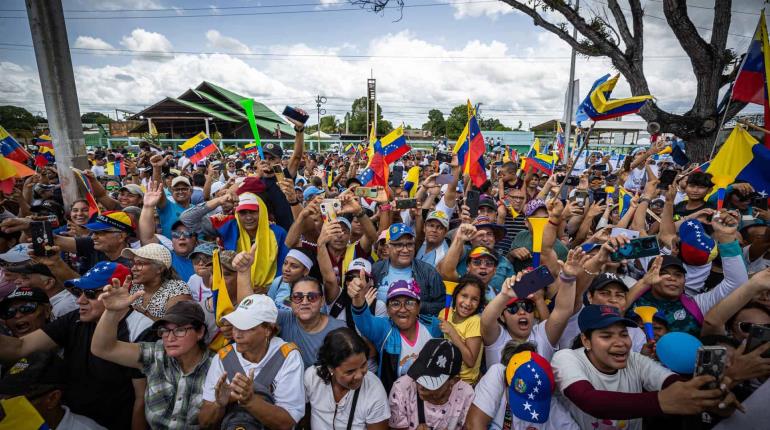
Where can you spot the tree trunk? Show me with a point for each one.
(699, 147)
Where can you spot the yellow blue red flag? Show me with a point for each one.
(198, 147)
(599, 106)
(11, 149)
(752, 84)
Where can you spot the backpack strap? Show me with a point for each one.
(353, 409)
(230, 361)
(691, 306)
(420, 411)
(264, 380)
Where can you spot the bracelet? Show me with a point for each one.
(566, 278)
(385, 208)
(644, 200)
(590, 273)
(555, 224)
(299, 129)
(294, 203)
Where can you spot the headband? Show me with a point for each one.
(302, 258)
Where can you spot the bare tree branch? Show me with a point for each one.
(721, 25)
(620, 20)
(697, 49)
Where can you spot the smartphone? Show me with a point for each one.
(327, 211)
(572, 181)
(42, 236)
(396, 176)
(533, 281)
(402, 204)
(639, 247)
(444, 179)
(666, 179)
(758, 334)
(618, 231)
(710, 360)
(600, 167)
(296, 114)
(366, 192)
(444, 157)
(278, 170)
(759, 202)
(580, 197)
(472, 201)
(600, 196)
(334, 204)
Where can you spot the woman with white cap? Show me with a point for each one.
(152, 273)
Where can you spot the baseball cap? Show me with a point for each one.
(26, 293)
(590, 246)
(439, 216)
(216, 187)
(604, 279)
(404, 288)
(482, 221)
(482, 251)
(226, 259)
(530, 386)
(358, 264)
(383, 236)
(273, 149)
(182, 313)
(670, 260)
(180, 180)
(438, 361)
(35, 374)
(205, 248)
(100, 275)
(17, 254)
(696, 248)
(311, 192)
(247, 202)
(253, 311)
(532, 206)
(32, 269)
(399, 229)
(152, 251)
(133, 189)
(118, 220)
(487, 201)
(594, 317)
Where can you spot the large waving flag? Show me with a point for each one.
(10, 171)
(742, 158)
(198, 147)
(45, 152)
(470, 149)
(752, 85)
(599, 106)
(11, 149)
(412, 181)
(115, 168)
(386, 151)
(93, 208)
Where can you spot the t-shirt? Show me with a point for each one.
(168, 215)
(182, 265)
(680, 209)
(450, 415)
(434, 256)
(288, 386)
(84, 247)
(393, 275)
(512, 227)
(279, 291)
(96, 388)
(410, 350)
(492, 399)
(757, 265)
(468, 328)
(371, 407)
(494, 352)
(640, 374)
(572, 330)
(72, 421)
(62, 303)
(308, 343)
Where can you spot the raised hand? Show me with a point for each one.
(355, 289)
(465, 232)
(243, 260)
(153, 194)
(652, 277)
(725, 225)
(116, 297)
(576, 260)
(555, 207)
(507, 288)
(157, 161)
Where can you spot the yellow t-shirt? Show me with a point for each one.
(468, 328)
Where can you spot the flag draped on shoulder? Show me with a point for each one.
(752, 84)
(221, 302)
(599, 106)
(470, 149)
(741, 158)
(385, 152)
(198, 147)
(11, 149)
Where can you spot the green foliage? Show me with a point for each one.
(456, 121)
(95, 118)
(493, 124)
(436, 123)
(357, 123)
(16, 118)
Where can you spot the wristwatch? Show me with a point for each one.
(299, 129)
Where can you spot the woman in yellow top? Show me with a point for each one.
(463, 325)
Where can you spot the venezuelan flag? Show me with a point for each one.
(11, 170)
(45, 153)
(412, 181)
(598, 105)
(350, 148)
(624, 201)
(752, 85)
(221, 301)
(470, 149)
(463, 144)
(449, 288)
(250, 148)
(11, 149)
(559, 143)
(115, 168)
(93, 208)
(741, 158)
(198, 147)
(538, 161)
(393, 145)
(386, 151)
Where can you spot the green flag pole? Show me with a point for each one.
(248, 106)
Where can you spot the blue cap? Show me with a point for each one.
(205, 248)
(99, 276)
(399, 229)
(590, 246)
(594, 317)
(311, 192)
(530, 387)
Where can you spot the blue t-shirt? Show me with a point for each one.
(183, 266)
(393, 275)
(279, 291)
(308, 343)
(168, 215)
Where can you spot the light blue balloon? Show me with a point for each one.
(677, 351)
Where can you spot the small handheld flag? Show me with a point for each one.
(449, 286)
(198, 147)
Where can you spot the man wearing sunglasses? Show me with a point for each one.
(110, 394)
(25, 310)
(39, 276)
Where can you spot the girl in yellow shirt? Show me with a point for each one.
(463, 324)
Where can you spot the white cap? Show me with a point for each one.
(180, 179)
(253, 311)
(17, 254)
(358, 264)
(216, 186)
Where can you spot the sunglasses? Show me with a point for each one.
(182, 234)
(526, 305)
(483, 262)
(90, 294)
(24, 308)
(297, 298)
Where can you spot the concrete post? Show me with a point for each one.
(54, 64)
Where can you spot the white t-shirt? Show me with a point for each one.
(289, 390)
(640, 374)
(491, 398)
(97, 170)
(494, 352)
(62, 303)
(372, 406)
(409, 352)
(638, 338)
(72, 421)
(757, 265)
(137, 323)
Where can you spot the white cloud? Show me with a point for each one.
(88, 42)
(122, 4)
(143, 40)
(472, 10)
(326, 3)
(228, 44)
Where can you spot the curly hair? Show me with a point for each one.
(339, 345)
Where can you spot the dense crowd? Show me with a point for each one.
(281, 292)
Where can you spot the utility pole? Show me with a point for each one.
(54, 64)
(319, 101)
(568, 113)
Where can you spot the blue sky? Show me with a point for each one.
(311, 54)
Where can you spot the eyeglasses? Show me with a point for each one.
(483, 262)
(180, 189)
(182, 234)
(202, 262)
(163, 332)
(745, 326)
(409, 304)
(402, 245)
(24, 308)
(297, 298)
(90, 294)
(526, 305)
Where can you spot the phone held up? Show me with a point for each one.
(42, 238)
(710, 360)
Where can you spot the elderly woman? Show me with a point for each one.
(152, 273)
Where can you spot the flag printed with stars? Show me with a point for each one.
(530, 386)
(696, 248)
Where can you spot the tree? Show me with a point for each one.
(16, 118)
(493, 124)
(621, 39)
(95, 118)
(456, 121)
(358, 120)
(436, 123)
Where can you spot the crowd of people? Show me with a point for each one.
(281, 292)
